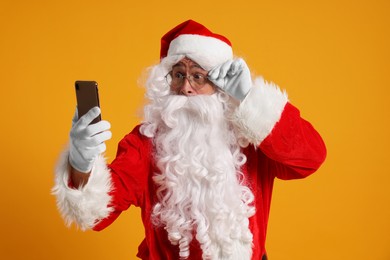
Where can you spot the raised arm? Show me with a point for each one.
(270, 122)
(82, 180)
(294, 145)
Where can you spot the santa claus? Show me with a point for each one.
(202, 164)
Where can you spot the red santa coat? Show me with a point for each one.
(285, 147)
(292, 150)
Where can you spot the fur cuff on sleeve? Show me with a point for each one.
(89, 204)
(260, 110)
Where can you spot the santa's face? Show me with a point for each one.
(190, 79)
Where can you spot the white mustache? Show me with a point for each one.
(201, 108)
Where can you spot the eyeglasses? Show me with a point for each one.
(176, 80)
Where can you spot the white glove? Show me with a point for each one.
(87, 141)
(233, 77)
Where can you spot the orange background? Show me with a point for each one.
(331, 57)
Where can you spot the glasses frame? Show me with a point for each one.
(190, 80)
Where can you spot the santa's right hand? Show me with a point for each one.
(87, 140)
(233, 77)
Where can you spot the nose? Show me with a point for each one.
(187, 89)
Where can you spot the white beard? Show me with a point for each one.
(201, 190)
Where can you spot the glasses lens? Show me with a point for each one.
(174, 80)
(198, 80)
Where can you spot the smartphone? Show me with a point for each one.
(87, 97)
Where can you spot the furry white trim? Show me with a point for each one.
(207, 51)
(87, 205)
(260, 110)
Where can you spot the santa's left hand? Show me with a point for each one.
(233, 77)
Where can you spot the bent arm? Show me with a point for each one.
(270, 122)
(295, 145)
(95, 200)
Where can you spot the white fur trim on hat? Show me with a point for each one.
(260, 110)
(208, 52)
(87, 205)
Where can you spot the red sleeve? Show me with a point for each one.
(129, 172)
(295, 146)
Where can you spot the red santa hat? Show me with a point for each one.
(198, 43)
